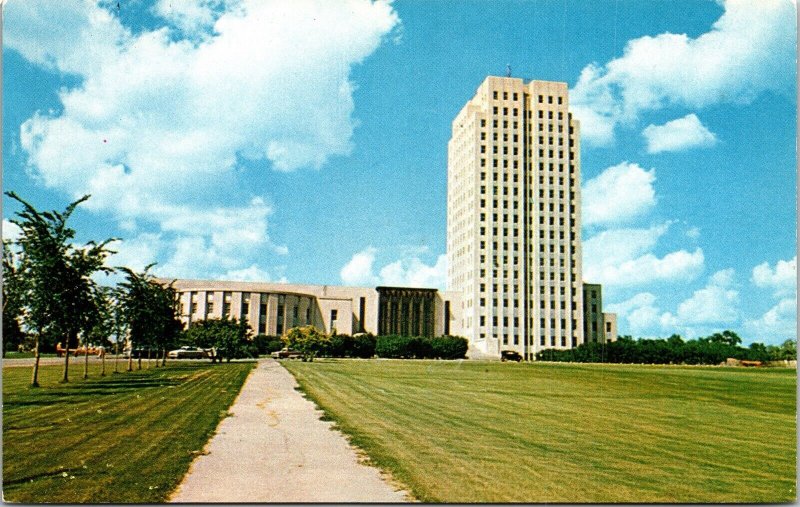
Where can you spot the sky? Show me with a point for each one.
(306, 141)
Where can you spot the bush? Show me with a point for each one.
(418, 347)
(363, 346)
(449, 347)
(266, 344)
(307, 340)
(393, 347)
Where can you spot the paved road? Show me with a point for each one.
(274, 448)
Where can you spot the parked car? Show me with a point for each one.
(285, 353)
(510, 355)
(187, 352)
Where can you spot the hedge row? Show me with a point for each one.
(418, 347)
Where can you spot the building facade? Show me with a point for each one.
(513, 218)
(274, 308)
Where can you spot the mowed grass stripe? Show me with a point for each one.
(478, 432)
(125, 438)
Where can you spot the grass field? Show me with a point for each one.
(500, 432)
(124, 438)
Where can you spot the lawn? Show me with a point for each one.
(122, 438)
(536, 432)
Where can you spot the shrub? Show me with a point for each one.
(266, 344)
(419, 347)
(449, 347)
(307, 340)
(393, 346)
(363, 346)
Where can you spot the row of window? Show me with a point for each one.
(495, 96)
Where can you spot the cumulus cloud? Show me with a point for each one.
(11, 231)
(777, 324)
(716, 303)
(782, 279)
(358, 270)
(407, 271)
(192, 17)
(252, 273)
(677, 135)
(622, 258)
(618, 194)
(159, 120)
(749, 50)
(640, 312)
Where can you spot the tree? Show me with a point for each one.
(149, 309)
(227, 337)
(14, 293)
(58, 276)
(101, 326)
(307, 340)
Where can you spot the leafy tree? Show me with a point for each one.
(58, 275)
(788, 350)
(14, 294)
(307, 340)
(227, 337)
(149, 309)
(102, 325)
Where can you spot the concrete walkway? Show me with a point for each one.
(274, 448)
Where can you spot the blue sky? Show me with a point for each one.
(307, 141)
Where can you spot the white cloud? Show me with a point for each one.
(159, 119)
(693, 232)
(750, 49)
(408, 271)
(622, 258)
(11, 231)
(252, 273)
(618, 194)
(192, 17)
(640, 312)
(412, 272)
(677, 135)
(782, 279)
(777, 324)
(358, 271)
(716, 303)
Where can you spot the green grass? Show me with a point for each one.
(499, 432)
(122, 438)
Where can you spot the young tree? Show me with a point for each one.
(307, 340)
(58, 274)
(227, 337)
(150, 311)
(101, 325)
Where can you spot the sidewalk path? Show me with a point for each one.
(274, 448)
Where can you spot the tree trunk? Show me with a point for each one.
(139, 360)
(66, 359)
(116, 356)
(86, 361)
(35, 376)
(164, 360)
(149, 357)
(130, 362)
(103, 357)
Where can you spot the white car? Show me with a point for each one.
(187, 352)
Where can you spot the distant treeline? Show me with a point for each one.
(714, 349)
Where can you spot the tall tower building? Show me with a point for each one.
(514, 218)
